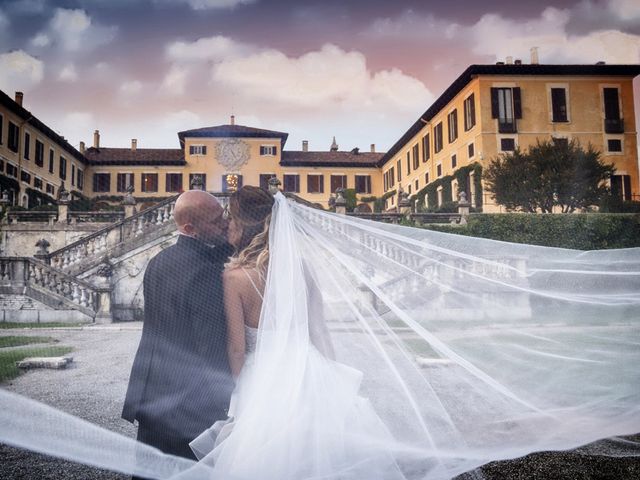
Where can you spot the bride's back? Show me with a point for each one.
(247, 285)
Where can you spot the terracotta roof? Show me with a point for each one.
(233, 131)
(25, 114)
(511, 70)
(330, 159)
(141, 156)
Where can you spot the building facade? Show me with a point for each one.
(493, 109)
(487, 111)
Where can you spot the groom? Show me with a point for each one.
(180, 382)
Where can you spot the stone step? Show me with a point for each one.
(45, 362)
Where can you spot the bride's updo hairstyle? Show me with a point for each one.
(250, 207)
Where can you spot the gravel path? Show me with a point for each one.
(94, 386)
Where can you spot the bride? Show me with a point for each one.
(367, 350)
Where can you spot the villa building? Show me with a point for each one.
(488, 110)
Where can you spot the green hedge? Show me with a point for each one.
(590, 231)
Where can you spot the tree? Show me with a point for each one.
(550, 174)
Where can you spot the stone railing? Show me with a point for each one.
(48, 216)
(417, 218)
(21, 272)
(99, 216)
(389, 217)
(97, 244)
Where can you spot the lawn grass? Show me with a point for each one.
(8, 359)
(15, 341)
(39, 325)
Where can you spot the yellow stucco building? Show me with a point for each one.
(486, 111)
(492, 109)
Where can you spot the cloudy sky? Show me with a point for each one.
(362, 70)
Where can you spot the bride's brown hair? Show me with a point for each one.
(251, 208)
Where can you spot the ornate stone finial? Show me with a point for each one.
(4, 199)
(128, 198)
(274, 185)
(404, 199)
(43, 246)
(334, 145)
(63, 195)
(462, 197)
(332, 200)
(196, 182)
(106, 269)
(340, 200)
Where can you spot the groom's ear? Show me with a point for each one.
(189, 229)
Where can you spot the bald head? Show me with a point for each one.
(198, 214)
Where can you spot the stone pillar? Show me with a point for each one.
(341, 202)
(463, 207)
(404, 204)
(104, 306)
(4, 203)
(63, 204)
(129, 203)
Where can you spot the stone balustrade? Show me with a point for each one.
(48, 216)
(99, 216)
(30, 272)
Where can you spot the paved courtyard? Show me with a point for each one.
(93, 388)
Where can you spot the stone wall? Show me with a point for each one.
(19, 239)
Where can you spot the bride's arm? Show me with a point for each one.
(235, 321)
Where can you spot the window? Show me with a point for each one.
(408, 163)
(63, 168)
(614, 145)
(392, 177)
(426, 148)
(506, 107)
(197, 150)
(73, 175)
(437, 137)
(101, 182)
(27, 145)
(268, 150)
(1, 165)
(123, 180)
(13, 137)
(231, 182)
(416, 183)
(12, 170)
(51, 160)
(291, 183)
(559, 104)
(149, 182)
(470, 150)
(612, 121)
(80, 179)
(426, 178)
(409, 189)
(439, 170)
(1, 129)
(338, 181)
(363, 183)
(50, 189)
(469, 112)
(385, 181)
(452, 124)
(39, 153)
(454, 161)
(201, 177)
(399, 167)
(315, 183)
(173, 182)
(416, 156)
(561, 141)
(264, 180)
(37, 183)
(25, 177)
(621, 186)
(507, 144)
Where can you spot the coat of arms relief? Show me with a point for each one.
(232, 153)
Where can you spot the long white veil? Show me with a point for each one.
(394, 352)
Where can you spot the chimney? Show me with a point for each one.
(509, 60)
(373, 148)
(134, 144)
(19, 97)
(233, 120)
(82, 147)
(96, 139)
(518, 61)
(305, 145)
(534, 56)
